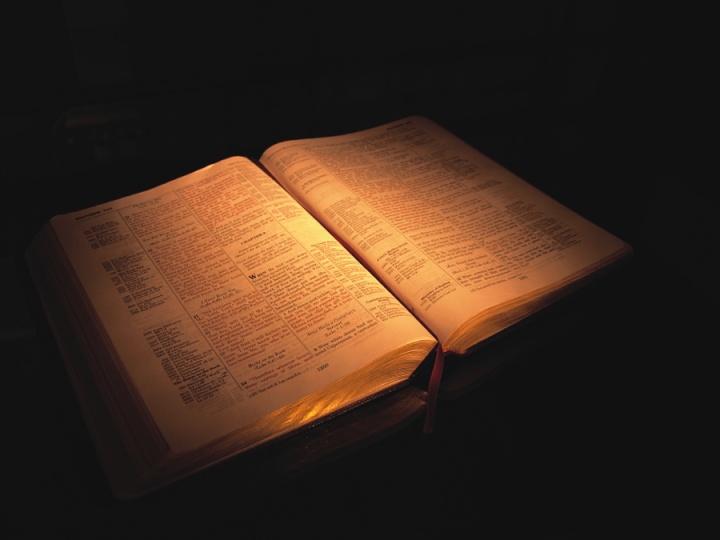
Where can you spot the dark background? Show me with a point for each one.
(599, 432)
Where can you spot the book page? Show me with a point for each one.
(458, 238)
(225, 300)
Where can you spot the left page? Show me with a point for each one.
(225, 301)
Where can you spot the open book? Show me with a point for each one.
(246, 301)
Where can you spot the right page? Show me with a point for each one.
(467, 245)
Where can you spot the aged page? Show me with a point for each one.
(461, 240)
(225, 300)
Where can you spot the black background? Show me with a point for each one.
(601, 433)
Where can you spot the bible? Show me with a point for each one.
(245, 302)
